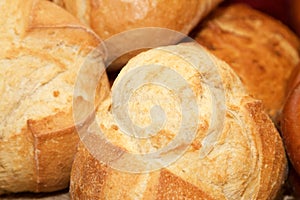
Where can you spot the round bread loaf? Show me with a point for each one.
(239, 156)
(293, 80)
(290, 120)
(260, 49)
(42, 49)
(109, 17)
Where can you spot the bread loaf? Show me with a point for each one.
(261, 50)
(42, 49)
(243, 160)
(109, 17)
(290, 120)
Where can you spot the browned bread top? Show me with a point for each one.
(261, 50)
(109, 17)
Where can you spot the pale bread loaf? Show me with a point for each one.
(246, 162)
(261, 50)
(42, 49)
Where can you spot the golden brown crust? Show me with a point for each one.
(86, 169)
(293, 80)
(290, 119)
(55, 141)
(247, 160)
(109, 17)
(173, 187)
(290, 126)
(274, 163)
(257, 47)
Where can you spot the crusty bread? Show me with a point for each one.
(109, 17)
(245, 160)
(293, 80)
(261, 50)
(42, 49)
(290, 120)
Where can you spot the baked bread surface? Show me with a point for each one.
(290, 119)
(109, 17)
(260, 49)
(245, 160)
(42, 50)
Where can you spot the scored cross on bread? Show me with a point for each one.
(244, 160)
